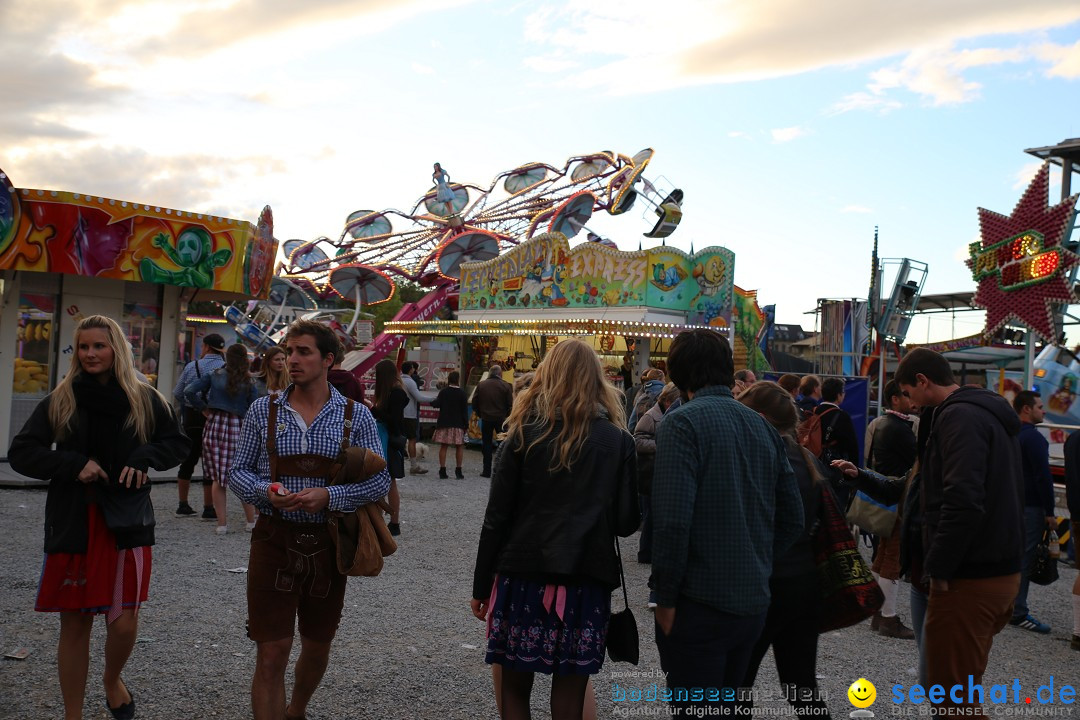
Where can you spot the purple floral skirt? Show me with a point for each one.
(550, 629)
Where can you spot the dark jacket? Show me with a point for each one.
(972, 490)
(645, 442)
(345, 383)
(453, 408)
(1035, 459)
(839, 441)
(493, 399)
(893, 449)
(798, 560)
(1072, 474)
(66, 505)
(559, 526)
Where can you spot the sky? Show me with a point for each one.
(793, 128)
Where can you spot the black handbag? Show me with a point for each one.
(126, 510)
(1044, 569)
(622, 633)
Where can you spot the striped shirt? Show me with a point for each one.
(249, 477)
(725, 502)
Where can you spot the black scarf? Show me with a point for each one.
(107, 410)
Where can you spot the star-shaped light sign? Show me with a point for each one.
(1020, 264)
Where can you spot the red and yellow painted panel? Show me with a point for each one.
(63, 232)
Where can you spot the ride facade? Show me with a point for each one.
(64, 256)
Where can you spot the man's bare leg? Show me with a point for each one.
(268, 684)
(310, 667)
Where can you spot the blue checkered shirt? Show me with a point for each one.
(249, 476)
(725, 502)
(207, 365)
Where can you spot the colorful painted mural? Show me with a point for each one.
(63, 232)
(545, 272)
(749, 323)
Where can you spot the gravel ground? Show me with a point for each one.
(408, 646)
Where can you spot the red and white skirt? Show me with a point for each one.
(104, 580)
(219, 440)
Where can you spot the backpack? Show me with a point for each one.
(814, 435)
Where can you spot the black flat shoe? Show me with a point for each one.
(125, 711)
(394, 528)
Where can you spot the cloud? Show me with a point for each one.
(865, 101)
(724, 41)
(856, 209)
(1025, 174)
(195, 183)
(44, 89)
(1064, 60)
(936, 74)
(739, 134)
(549, 63)
(421, 69)
(783, 135)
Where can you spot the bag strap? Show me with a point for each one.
(622, 575)
(346, 427)
(271, 437)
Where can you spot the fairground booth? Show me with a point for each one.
(515, 307)
(64, 256)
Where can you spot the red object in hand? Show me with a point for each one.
(278, 489)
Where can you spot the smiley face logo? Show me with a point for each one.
(862, 693)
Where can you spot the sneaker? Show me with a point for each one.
(221, 529)
(652, 600)
(486, 474)
(418, 471)
(459, 474)
(208, 513)
(184, 510)
(394, 528)
(442, 474)
(1075, 642)
(249, 526)
(1029, 623)
(892, 627)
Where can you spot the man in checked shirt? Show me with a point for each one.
(291, 570)
(725, 502)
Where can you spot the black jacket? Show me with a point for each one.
(839, 441)
(893, 448)
(453, 408)
(559, 526)
(798, 560)
(972, 487)
(904, 493)
(66, 505)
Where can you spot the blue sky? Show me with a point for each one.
(793, 128)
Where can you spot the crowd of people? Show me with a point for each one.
(724, 474)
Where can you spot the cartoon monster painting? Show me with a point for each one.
(193, 253)
(709, 277)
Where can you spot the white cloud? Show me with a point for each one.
(421, 69)
(1064, 60)
(1025, 174)
(867, 102)
(856, 209)
(549, 63)
(783, 135)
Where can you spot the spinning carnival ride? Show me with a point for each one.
(451, 224)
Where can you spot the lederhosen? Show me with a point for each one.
(292, 570)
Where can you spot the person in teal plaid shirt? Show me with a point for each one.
(725, 502)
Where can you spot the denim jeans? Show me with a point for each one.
(1034, 526)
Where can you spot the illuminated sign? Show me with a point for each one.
(1018, 261)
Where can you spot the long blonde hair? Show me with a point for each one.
(569, 387)
(275, 379)
(62, 408)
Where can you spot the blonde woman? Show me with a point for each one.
(108, 429)
(563, 486)
(274, 375)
